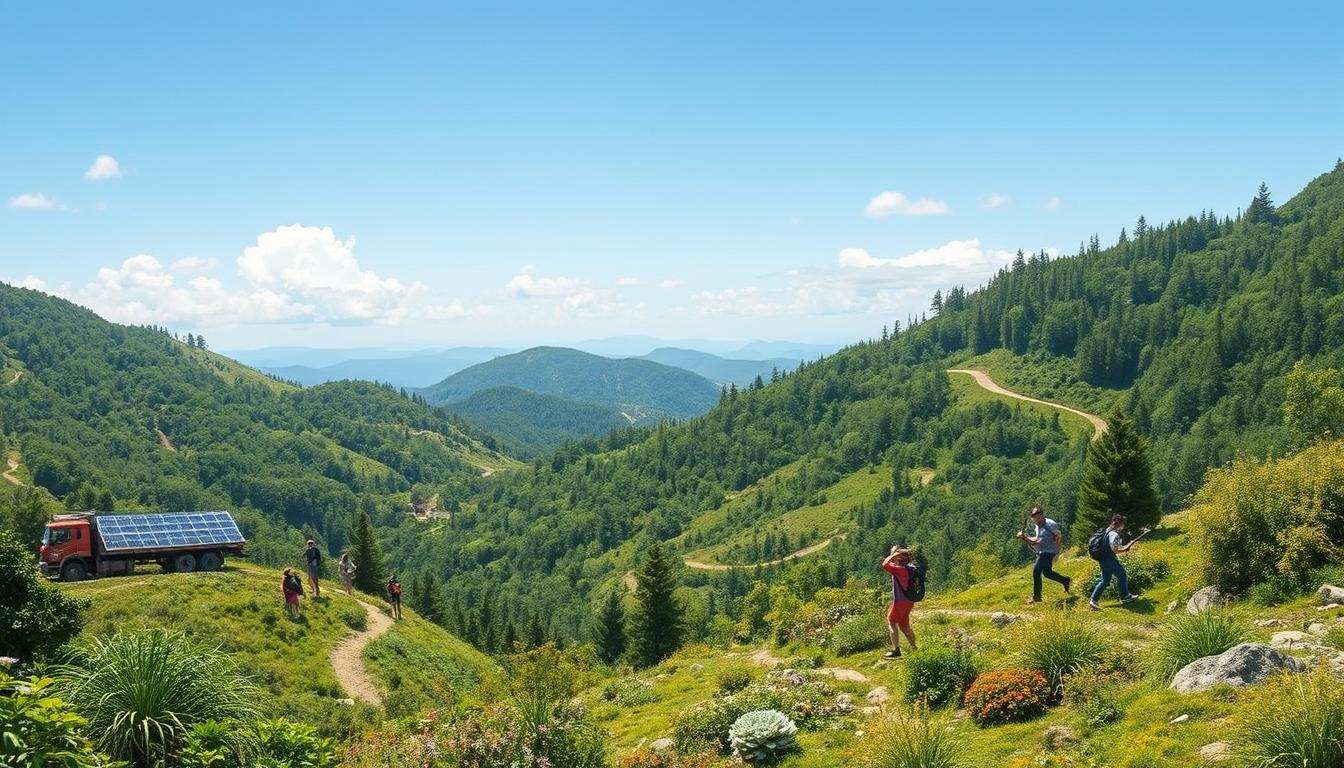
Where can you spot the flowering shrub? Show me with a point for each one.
(762, 736)
(807, 700)
(1007, 695)
(816, 624)
(734, 679)
(647, 758)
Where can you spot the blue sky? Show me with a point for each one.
(337, 174)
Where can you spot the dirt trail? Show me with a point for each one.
(485, 471)
(17, 375)
(165, 442)
(982, 378)
(348, 664)
(804, 552)
(764, 658)
(9, 474)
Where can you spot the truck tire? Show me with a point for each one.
(74, 570)
(210, 561)
(184, 563)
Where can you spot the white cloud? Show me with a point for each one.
(956, 254)
(104, 167)
(627, 281)
(889, 204)
(527, 285)
(995, 200)
(35, 201)
(193, 264)
(1053, 203)
(35, 283)
(671, 283)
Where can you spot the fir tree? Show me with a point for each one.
(1117, 479)
(367, 556)
(1262, 208)
(609, 628)
(656, 626)
(536, 632)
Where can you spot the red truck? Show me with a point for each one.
(78, 545)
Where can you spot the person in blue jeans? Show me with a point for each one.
(1111, 567)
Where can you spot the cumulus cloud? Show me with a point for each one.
(995, 200)
(528, 285)
(671, 283)
(193, 264)
(887, 204)
(956, 254)
(1053, 203)
(35, 283)
(35, 201)
(104, 167)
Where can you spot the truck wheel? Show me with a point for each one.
(74, 570)
(184, 563)
(210, 561)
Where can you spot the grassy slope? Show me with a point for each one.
(1055, 379)
(1141, 738)
(240, 610)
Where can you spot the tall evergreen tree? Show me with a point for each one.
(1117, 479)
(657, 624)
(1262, 207)
(367, 556)
(609, 628)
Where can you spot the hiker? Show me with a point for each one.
(394, 596)
(1104, 551)
(312, 557)
(293, 590)
(898, 616)
(346, 567)
(1046, 545)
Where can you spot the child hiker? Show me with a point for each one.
(1046, 546)
(292, 589)
(898, 616)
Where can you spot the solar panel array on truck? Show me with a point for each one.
(170, 529)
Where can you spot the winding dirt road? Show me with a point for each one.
(804, 552)
(348, 664)
(9, 474)
(982, 378)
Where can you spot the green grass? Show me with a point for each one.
(1043, 377)
(969, 394)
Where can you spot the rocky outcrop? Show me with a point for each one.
(1203, 600)
(1245, 664)
(1329, 593)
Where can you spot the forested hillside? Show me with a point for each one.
(104, 416)
(1189, 325)
(720, 370)
(528, 424)
(644, 390)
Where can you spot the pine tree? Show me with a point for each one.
(1117, 479)
(609, 628)
(367, 556)
(1262, 208)
(656, 626)
(536, 632)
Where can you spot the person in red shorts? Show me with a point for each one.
(898, 616)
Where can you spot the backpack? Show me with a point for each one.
(394, 588)
(1097, 546)
(915, 590)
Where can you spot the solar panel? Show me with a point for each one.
(168, 529)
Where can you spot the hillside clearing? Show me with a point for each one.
(981, 378)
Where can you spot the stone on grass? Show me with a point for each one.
(1318, 629)
(879, 695)
(1216, 752)
(1001, 619)
(1329, 593)
(1203, 600)
(662, 745)
(1172, 606)
(1059, 737)
(696, 668)
(1290, 639)
(1245, 664)
(1178, 720)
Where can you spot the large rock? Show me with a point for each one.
(1245, 664)
(1290, 639)
(662, 745)
(1203, 600)
(1216, 752)
(1329, 593)
(1001, 619)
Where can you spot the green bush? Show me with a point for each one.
(1144, 571)
(734, 679)
(1274, 591)
(1293, 721)
(37, 728)
(763, 736)
(354, 616)
(143, 690)
(1334, 637)
(1059, 643)
(938, 674)
(806, 700)
(38, 617)
(859, 633)
(1187, 638)
(911, 739)
(629, 692)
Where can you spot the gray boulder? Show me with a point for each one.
(1001, 619)
(1329, 593)
(1245, 664)
(1203, 600)
(662, 745)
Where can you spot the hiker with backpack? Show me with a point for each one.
(907, 588)
(1104, 546)
(1045, 544)
(394, 596)
(292, 588)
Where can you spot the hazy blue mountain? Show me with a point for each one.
(642, 389)
(417, 370)
(719, 370)
(529, 424)
(763, 350)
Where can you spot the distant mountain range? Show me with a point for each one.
(417, 370)
(720, 370)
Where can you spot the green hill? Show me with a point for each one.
(528, 424)
(107, 416)
(414, 664)
(721, 370)
(645, 391)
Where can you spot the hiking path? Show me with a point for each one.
(347, 660)
(982, 378)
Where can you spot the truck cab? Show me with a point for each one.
(67, 548)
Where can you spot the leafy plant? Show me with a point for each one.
(647, 758)
(806, 700)
(1060, 643)
(939, 674)
(734, 679)
(859, 633)
(142, 691)
(287, 744)
(913, 739)
(1294, 722)
(354, 616)
(1187, 638)
(39, 729)
(39, 618)
(763, 736)
(629, 692)
(1007, 695)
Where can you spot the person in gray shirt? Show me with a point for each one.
(1046, 545)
